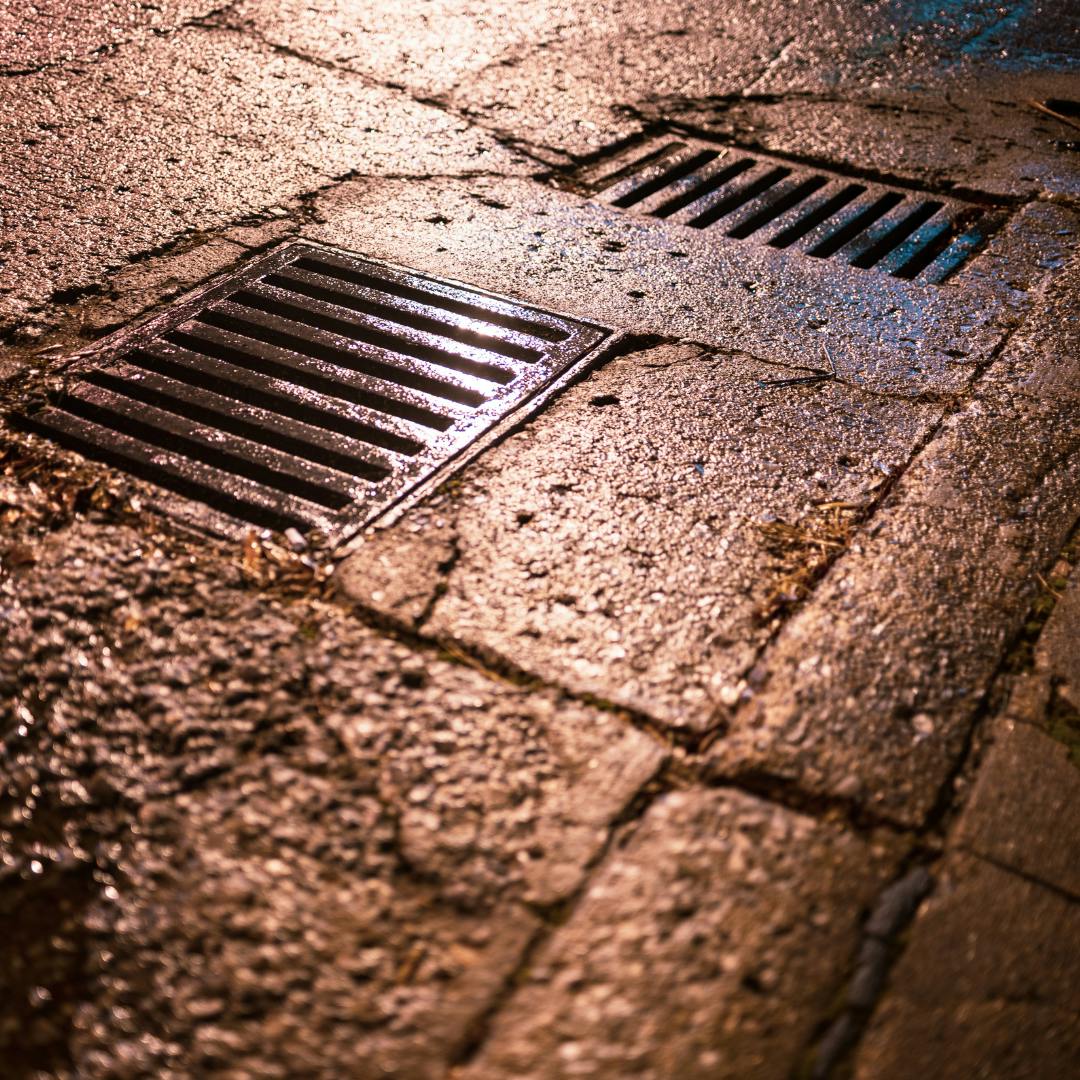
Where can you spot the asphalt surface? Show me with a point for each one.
(712, 722)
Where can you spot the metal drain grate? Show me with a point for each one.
(785, 205)
(313, 388)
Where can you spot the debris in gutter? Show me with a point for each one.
(1044, 107)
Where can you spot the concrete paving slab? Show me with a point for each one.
(1057, 657)
(702, 948)
(291, 841)
(52, 32)
(616, 544)
(876, 46)
(190, 133)
(260, 931)
(566, 253)
(982, 138)
(558, 98)
(986, 986)
(869, 691)
(1043, 358)
(1022, 811)
(430, 47)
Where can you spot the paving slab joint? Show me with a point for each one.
(1016, 656)
(553, 916)
(879, 948)
(781, 791)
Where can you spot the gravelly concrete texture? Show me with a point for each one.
(631, 749)
(54, 31)
(696, 951)
(193, 131)
(619, 543)
(916, 615)
(272, 818)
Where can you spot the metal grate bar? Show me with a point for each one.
(948, 250)
(337, 349)
(310, 389)
(660, 177)
(330, 379)
(685, 199)
(244, 457)
(219, 489)
(388, 309)
(846, 231)
(481, 309)
(277, 396)
(740, 197)
(389, 339)
(814, 214)
(789, 195)
(891, 231)
(249, 421)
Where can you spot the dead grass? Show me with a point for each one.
(804, 550)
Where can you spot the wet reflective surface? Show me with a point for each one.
(618, 754)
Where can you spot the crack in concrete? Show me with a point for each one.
(300, 210)
(555, 915)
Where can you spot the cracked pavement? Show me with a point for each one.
(710, 722)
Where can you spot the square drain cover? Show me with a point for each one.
(311, 389)
(747, 195)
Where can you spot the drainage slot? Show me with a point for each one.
(771, 211)
(173, 436)
(704, 187)
(738, 198)
(298, 283)
(933, 249)
(668, 177)
(355, 330)
(242, 386)
(850, 229)
(271, 332)
(201, 407)
(896, 235)
(810, 221)
(295, 370)
(435, 299)
(191, 480)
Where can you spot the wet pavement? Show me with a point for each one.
(719, 719)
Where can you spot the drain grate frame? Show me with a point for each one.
(311, 388)
(745, 194)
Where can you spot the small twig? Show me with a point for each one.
(1050, 589)
(818, 375)
(1056, 115)
(828, 356)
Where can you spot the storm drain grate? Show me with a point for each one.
(313, 388)
(777, 202)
